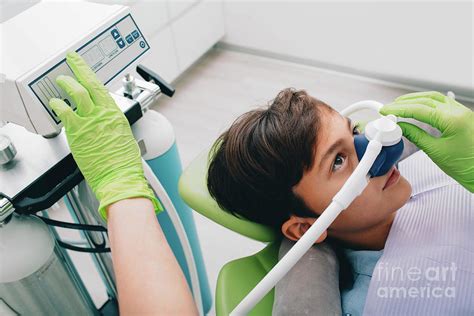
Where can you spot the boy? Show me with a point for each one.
(282, 165)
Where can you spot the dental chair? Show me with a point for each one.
(239, 276)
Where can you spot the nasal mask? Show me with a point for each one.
(378, 149)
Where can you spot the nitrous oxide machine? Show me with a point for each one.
(42, 192)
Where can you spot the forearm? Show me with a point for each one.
(149, 279)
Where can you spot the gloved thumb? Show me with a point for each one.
(418, 136)
(63, 111)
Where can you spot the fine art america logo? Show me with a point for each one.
(415, 282)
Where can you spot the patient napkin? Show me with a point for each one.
(427, 267)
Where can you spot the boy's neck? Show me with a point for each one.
(370, 239)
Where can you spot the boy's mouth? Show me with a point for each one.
(392, 177)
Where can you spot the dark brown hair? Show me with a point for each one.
(256, 163)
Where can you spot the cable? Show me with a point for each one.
(99, 248)
(81, 249)
(52, 222)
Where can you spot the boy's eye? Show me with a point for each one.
(338, 162)
(355, 129)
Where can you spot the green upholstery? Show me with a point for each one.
(237, 277)
(193, 190)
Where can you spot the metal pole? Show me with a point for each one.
(64, 256)
(103, 260)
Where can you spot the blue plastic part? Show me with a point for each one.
(167, 169)
(388, 156)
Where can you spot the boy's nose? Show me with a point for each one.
(388, 156)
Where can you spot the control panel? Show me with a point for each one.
(121, 43)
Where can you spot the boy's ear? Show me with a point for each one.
(296, 226)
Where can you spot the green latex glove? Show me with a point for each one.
(100, 138)
(453, 151)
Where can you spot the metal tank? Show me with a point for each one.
(36, 277)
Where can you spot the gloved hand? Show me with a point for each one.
(100, 138)
(453, 151)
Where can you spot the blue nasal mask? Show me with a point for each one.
(385, 130)
(388, 156)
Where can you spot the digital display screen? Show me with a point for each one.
(93, 56)
(122, 37)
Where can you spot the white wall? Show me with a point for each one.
(10, 8)
(425, 44)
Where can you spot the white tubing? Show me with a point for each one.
(362, 105)
(178, 225)
(349, 191)
(358, 179)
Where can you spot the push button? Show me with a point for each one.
(135, 34)
(115, 33)
(129, 38)
(121, 43)
(142, 44)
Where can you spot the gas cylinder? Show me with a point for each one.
(156, 138)
(34, 276)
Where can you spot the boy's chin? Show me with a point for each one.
(407, 188)
(402, 193)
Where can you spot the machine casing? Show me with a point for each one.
(34, 43)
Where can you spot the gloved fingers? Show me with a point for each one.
(426, 94)
(79, 95)
(455, 103)
(421, 100)
(88, 78)
(421, 112)
(418, 136)
(64, 112)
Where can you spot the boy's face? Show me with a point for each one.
(335, 160)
